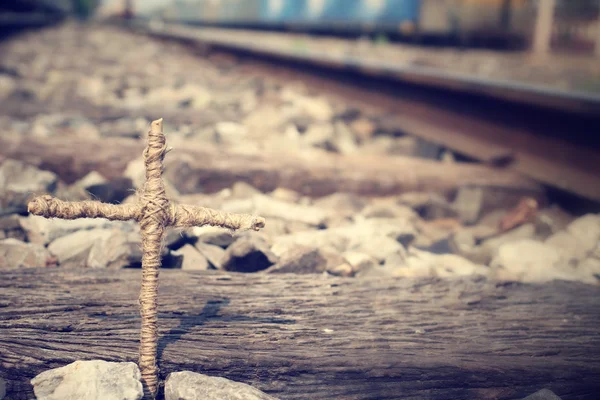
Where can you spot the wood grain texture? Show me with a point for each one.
(194, 168)
(313, 337)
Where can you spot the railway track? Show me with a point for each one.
(331, 207)
(545, 135)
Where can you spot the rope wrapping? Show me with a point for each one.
(155, 213)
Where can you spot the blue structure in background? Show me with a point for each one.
(349, 12)
(423, 20)
(282, 11)
(369, 11)
(398, 11)
(307, 13)
(342, 11)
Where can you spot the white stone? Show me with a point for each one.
(377, 237)
(587, 230)
(364, 128)
(570, 248)
(197, 96)
(193, 260)
(91, 179)
(526, 231)
(285, 194)
(266, 206)
(90, 380)
(92, 88)
(420, 263)
(326, 240)
(243, 190)
(228, 132)
(379, 247)
(401, 146)
(17, 254)
(7, 86)
(45, 230)
(265, 118)
(346, 204)
(399, 229)
(528, 260)
(20, 177)
(389, 211)
(316, 107)
(589, 270)
(579, 241)
(318, 135)
(98, 248)
(194, 386)
(214, 254)
(345, 142)
(360, 261)
(544, 394)
(212, 235)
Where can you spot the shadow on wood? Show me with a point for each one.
(313, 337)
(187, 323)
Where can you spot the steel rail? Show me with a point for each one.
(576, 101)
(547, 143)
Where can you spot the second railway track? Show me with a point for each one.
(552, 142)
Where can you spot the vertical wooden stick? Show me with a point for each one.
(154, 214)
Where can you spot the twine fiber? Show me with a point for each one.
(155, 213)
(154, 217)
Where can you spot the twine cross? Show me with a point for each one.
(155, 213)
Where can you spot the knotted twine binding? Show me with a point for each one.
(155, 213)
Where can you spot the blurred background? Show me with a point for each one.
(452, 55)
(483, 60)
(559, 25)
(379, 138)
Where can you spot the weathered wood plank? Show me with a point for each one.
(208, 168)
(301, 337)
